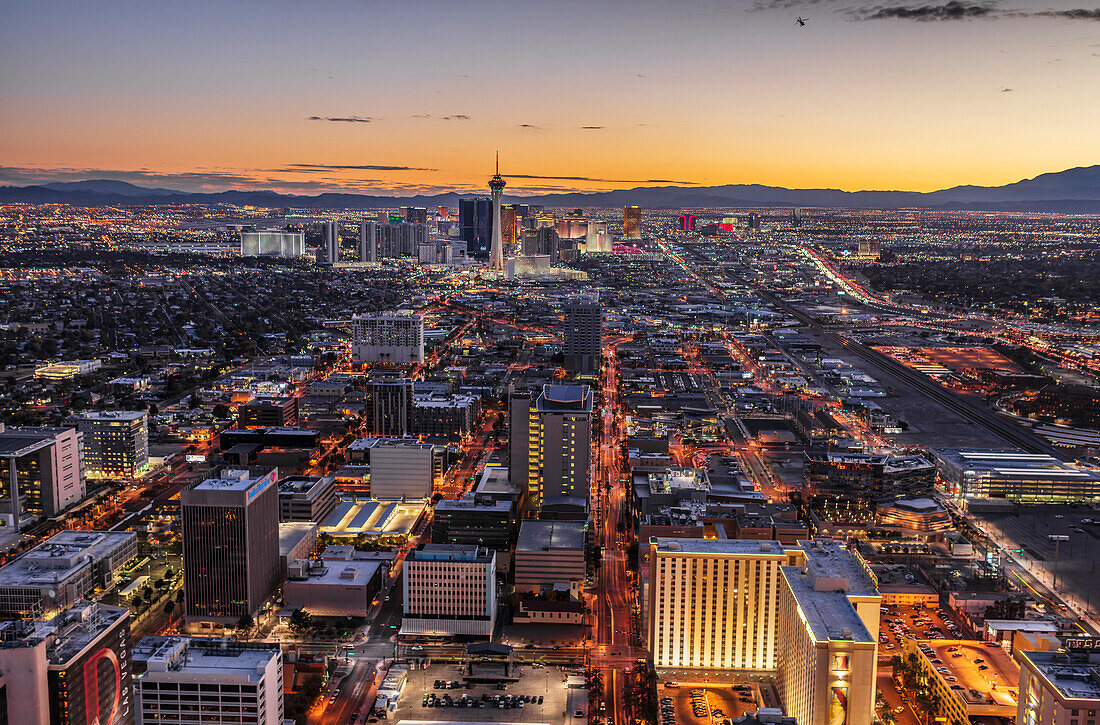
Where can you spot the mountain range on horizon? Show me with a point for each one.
(1074, 191)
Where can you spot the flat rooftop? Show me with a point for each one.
(535, 535)
(1075, 675)
(1011, 464)
(334, 572)
(72, 630)
(292, 532)
(112, 415)
(230, 480)
(829, 614)
(719, 547)
(374, 517)
(195, 656)
(828, 559)
(997, 683)
(449, 552)
(64, 553)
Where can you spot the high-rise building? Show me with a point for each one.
(71, 670)
(509, 227)
(184, 679)
(556, 426)
(572, 226)
(870, 247)
(415, 214)
(475, 220)
(388, 337)
(596, 238)
(496, 249)
(686, 223)
(230, 545)
(754, 222)
(449, 590)
(368, 241)
(330, 243)
(41, 473)
(306, 498)
(116, 443)
(541, 242)
(632, 223)
(388, 406)
(272, 243)
(714, 603)
(828, 637)
(796, 216)
(583, 318)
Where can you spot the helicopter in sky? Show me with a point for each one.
(802, 21)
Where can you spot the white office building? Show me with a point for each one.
(828, 637)
(273, 243)
(181, 680)
(399, 467)
(449, 590)
(41, 473)
(393, 337)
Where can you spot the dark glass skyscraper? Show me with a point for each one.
(475, 219)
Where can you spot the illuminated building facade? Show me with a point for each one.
(227, 682)
(496, 249)
(556, 428)
(116, 443)
(330, 243)
(387, 337)
(41, 473)
(449, 590)
(273, 243)
(72, 670)
(714, 604)
(827, 644)
(1059, 688)
(1015, 475)
(632, 223)
(230, 545)
(686, 223)
(475, 221)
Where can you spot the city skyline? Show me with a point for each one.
(715, 93)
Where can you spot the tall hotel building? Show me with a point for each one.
(116, 443)
(450, 589)
(181, 680)
(632, 223)
(714, 603)
(388, 337)
(551, 442)
(583, 334)
(41, 473)
(230, 545)
(828, 637)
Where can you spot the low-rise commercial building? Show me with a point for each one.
(866, 476)
(476, 519)
(328, 588)
(268, 413)
(1014, 475)
(967, 688)
(62, 570)
(182, 679)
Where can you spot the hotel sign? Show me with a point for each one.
(1088, 644)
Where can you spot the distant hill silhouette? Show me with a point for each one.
(1071, 191)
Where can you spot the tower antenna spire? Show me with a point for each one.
(498, 162)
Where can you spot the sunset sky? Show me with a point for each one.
(618, 93)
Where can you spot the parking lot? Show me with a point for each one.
(692, 704)
(490, 704)
(900, 623)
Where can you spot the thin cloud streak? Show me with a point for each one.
(601, 181)
(350, 167)
(342, 119)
